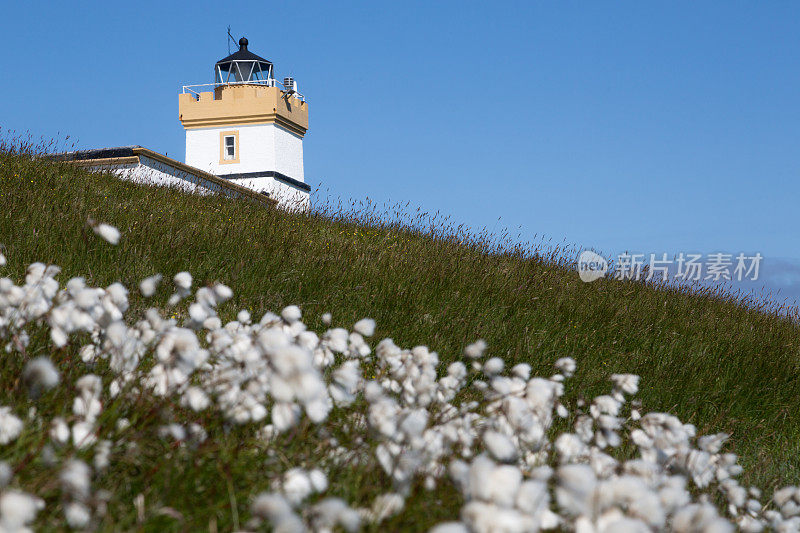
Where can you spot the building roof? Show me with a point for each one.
(243, 54)
(119, 155)
(99, 153)
(269, 174)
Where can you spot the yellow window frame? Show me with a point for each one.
(222, 135)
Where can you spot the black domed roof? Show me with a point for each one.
(243, 54)
(242, 66)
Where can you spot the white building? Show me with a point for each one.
(144, 166)
(244, 137)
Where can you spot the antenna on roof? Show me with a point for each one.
(230, 38)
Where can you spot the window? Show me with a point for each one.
(228, 147)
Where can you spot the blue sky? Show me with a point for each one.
(640, 126)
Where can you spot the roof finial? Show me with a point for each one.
(243, 44)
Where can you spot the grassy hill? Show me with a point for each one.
(709, 360)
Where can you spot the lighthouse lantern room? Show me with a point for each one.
(248, 128)
(242, 65)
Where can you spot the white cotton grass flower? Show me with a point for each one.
(195, 398)
(59, 431)
(605, 405)
(327, 318)
(365, 327)
(196, 433)
(330, 512)
(77, 515)
(493, 366)
(285, 416)
(75, 479)
(40, 375)
(243, 316)
(270, 506)
(627, 383)
(88, 353)
(83, 434)
(183, 287)
(89, 385)
(500, 446)
(122, 424)
(10, 426)
(183, 280)
(291, 314)
(570, 448)
(494, 483)
(17, 510)
(566, 365)
(148, 286)
(785, 495)
(336, 340)
(345, 383)
(319, 481)
(522, 371)
(476, 349)
(387, 505)
(108, 233)
(198, 313)
(276, 508)
(102, 453)
(450, 527)
(175, 432)
(297, 485)
(222, 293)
(6, 473)
(3, 261)
(575, 488)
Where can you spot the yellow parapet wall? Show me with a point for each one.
(243, 104)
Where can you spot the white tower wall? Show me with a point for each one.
(261, 147)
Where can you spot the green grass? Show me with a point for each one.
(709, 360)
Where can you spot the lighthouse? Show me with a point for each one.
(248, 128)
